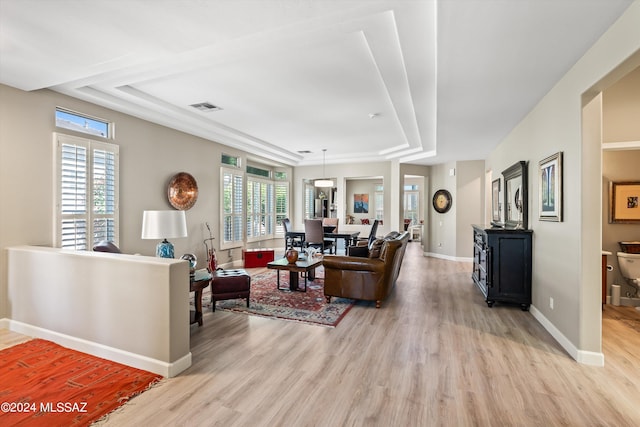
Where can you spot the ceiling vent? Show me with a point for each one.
(304, 152)
(206, 106)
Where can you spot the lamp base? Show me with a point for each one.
(164, 249)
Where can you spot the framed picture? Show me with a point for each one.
(624, 202)
(550, 191)
(495, 201)
(361, 203)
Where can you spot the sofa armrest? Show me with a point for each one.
(339, 262)
(358, 251)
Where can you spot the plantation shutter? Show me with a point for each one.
(87, 176)
(282, 205)
(73, 204)
(232, 208)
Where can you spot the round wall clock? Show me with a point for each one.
(442, 201)
(182, 191)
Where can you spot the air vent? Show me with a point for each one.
(206, 106)
(304, 152)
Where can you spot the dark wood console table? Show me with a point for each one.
(197, 284)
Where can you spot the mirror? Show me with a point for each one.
(516, 196)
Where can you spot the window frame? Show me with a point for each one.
(110, 126)
(238, 218)
(89, 214)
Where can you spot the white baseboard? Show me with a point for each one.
(447, 257)
(99, 350)
(581, 356)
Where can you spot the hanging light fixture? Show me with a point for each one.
(324, 182)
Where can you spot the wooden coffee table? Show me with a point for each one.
(305, 266)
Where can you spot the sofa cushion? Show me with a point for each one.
(376, 248)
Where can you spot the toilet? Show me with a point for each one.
(630, 268)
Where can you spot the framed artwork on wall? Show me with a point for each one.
(624, 202)
(550, 191)
(361, 203)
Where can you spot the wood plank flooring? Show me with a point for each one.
(433, 355)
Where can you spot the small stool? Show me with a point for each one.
(229, 284)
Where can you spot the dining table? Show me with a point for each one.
(349, 238)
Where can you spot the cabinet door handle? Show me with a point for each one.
(489, 268)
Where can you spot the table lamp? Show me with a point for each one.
(164, 225)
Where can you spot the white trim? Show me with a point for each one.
(99, 350)
(447, 257)
(581, 356)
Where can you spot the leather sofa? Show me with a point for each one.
(364, 278)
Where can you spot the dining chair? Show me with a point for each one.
(314, 235)
(372, 233)
(290, 241)
(328, 222)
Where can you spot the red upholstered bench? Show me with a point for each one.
(230, 284)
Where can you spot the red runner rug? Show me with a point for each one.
(44, 384)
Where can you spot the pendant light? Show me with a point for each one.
(324, 182)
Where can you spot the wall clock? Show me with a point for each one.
(442, 201)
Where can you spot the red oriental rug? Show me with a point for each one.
(44, 384)
(267, 301)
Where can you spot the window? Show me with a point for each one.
(230, 160)
(260, 209)
(282, 205)
(267, 202)
(232, 208)
(78, 122)
(378, 200)
(257, 215)
(411, 203)
(86, 192)
(309, 202)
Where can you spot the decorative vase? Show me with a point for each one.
(291, 255)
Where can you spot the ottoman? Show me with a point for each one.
(229, 284)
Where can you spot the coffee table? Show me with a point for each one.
(305, 266)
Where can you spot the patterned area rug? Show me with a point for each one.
(267, 301)
(44, 384)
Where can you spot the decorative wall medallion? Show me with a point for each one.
(442, 201)
(183, 191)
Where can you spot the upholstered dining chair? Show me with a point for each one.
(290, 241)
(328, 222)
(314, 235)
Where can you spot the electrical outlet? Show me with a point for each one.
(551, 303)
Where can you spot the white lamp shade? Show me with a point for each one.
(164, 224)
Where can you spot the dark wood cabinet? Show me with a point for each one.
(502, 264)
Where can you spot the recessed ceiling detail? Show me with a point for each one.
(445, 80)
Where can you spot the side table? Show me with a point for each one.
(197, 284)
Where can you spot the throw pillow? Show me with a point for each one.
(376, 248)
(365, 221)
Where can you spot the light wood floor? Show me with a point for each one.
(433, 355)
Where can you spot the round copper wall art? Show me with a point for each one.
(183, 191)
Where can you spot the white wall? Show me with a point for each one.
(567, 254)
(443, 227)
(149, 156)
(130, 309)
(470, 176)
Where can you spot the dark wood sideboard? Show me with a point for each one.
(502, 264)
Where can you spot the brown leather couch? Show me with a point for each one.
(364, 278)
